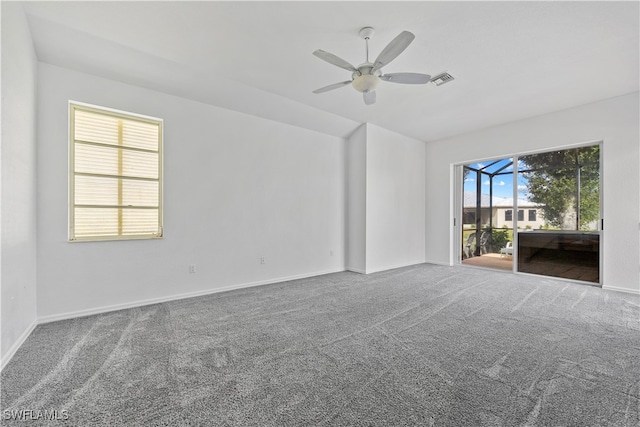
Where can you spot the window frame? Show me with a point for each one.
(73, 106)
(508, 214)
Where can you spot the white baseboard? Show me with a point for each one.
(16, 345)
(394, 266)
(357, 270)
(141, 303)
(619, 289)
(446, 264)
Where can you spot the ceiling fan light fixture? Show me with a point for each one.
(365, 83)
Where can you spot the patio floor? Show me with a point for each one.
(491, 261)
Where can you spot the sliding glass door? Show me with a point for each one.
(565, 184)
(535, 213)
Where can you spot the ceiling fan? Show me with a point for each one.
(365, 77)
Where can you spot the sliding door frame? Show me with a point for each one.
(455, 256)
(457, 193)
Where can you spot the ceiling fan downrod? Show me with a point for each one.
(366, 33)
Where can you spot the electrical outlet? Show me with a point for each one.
(262, 260)
(192, 268)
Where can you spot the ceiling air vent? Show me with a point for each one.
(441, 79)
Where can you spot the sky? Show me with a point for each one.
(502, 184)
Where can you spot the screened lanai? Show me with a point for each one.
(487, 214)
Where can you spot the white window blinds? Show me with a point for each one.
(116, 175)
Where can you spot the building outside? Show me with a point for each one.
(502, 212)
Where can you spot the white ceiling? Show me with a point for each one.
(510, 60)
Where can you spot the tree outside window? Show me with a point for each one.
(566, 185)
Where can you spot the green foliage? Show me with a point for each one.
(499, 238)
(553, 184)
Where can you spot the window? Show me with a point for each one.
(469, 218)
(115, 185)
(520, 214)
(508, 215)
(565, 184)
(532, 214)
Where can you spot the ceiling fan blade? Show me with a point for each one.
(393, 49)
(369, 97)
(331, 87)
(406, 78)
(332, 59)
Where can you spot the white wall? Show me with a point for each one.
(386, 200)
(395, 200)
(236, 188)
(18, 171)
(614, 121)
(357, 200)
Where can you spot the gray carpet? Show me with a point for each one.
(425, 345)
